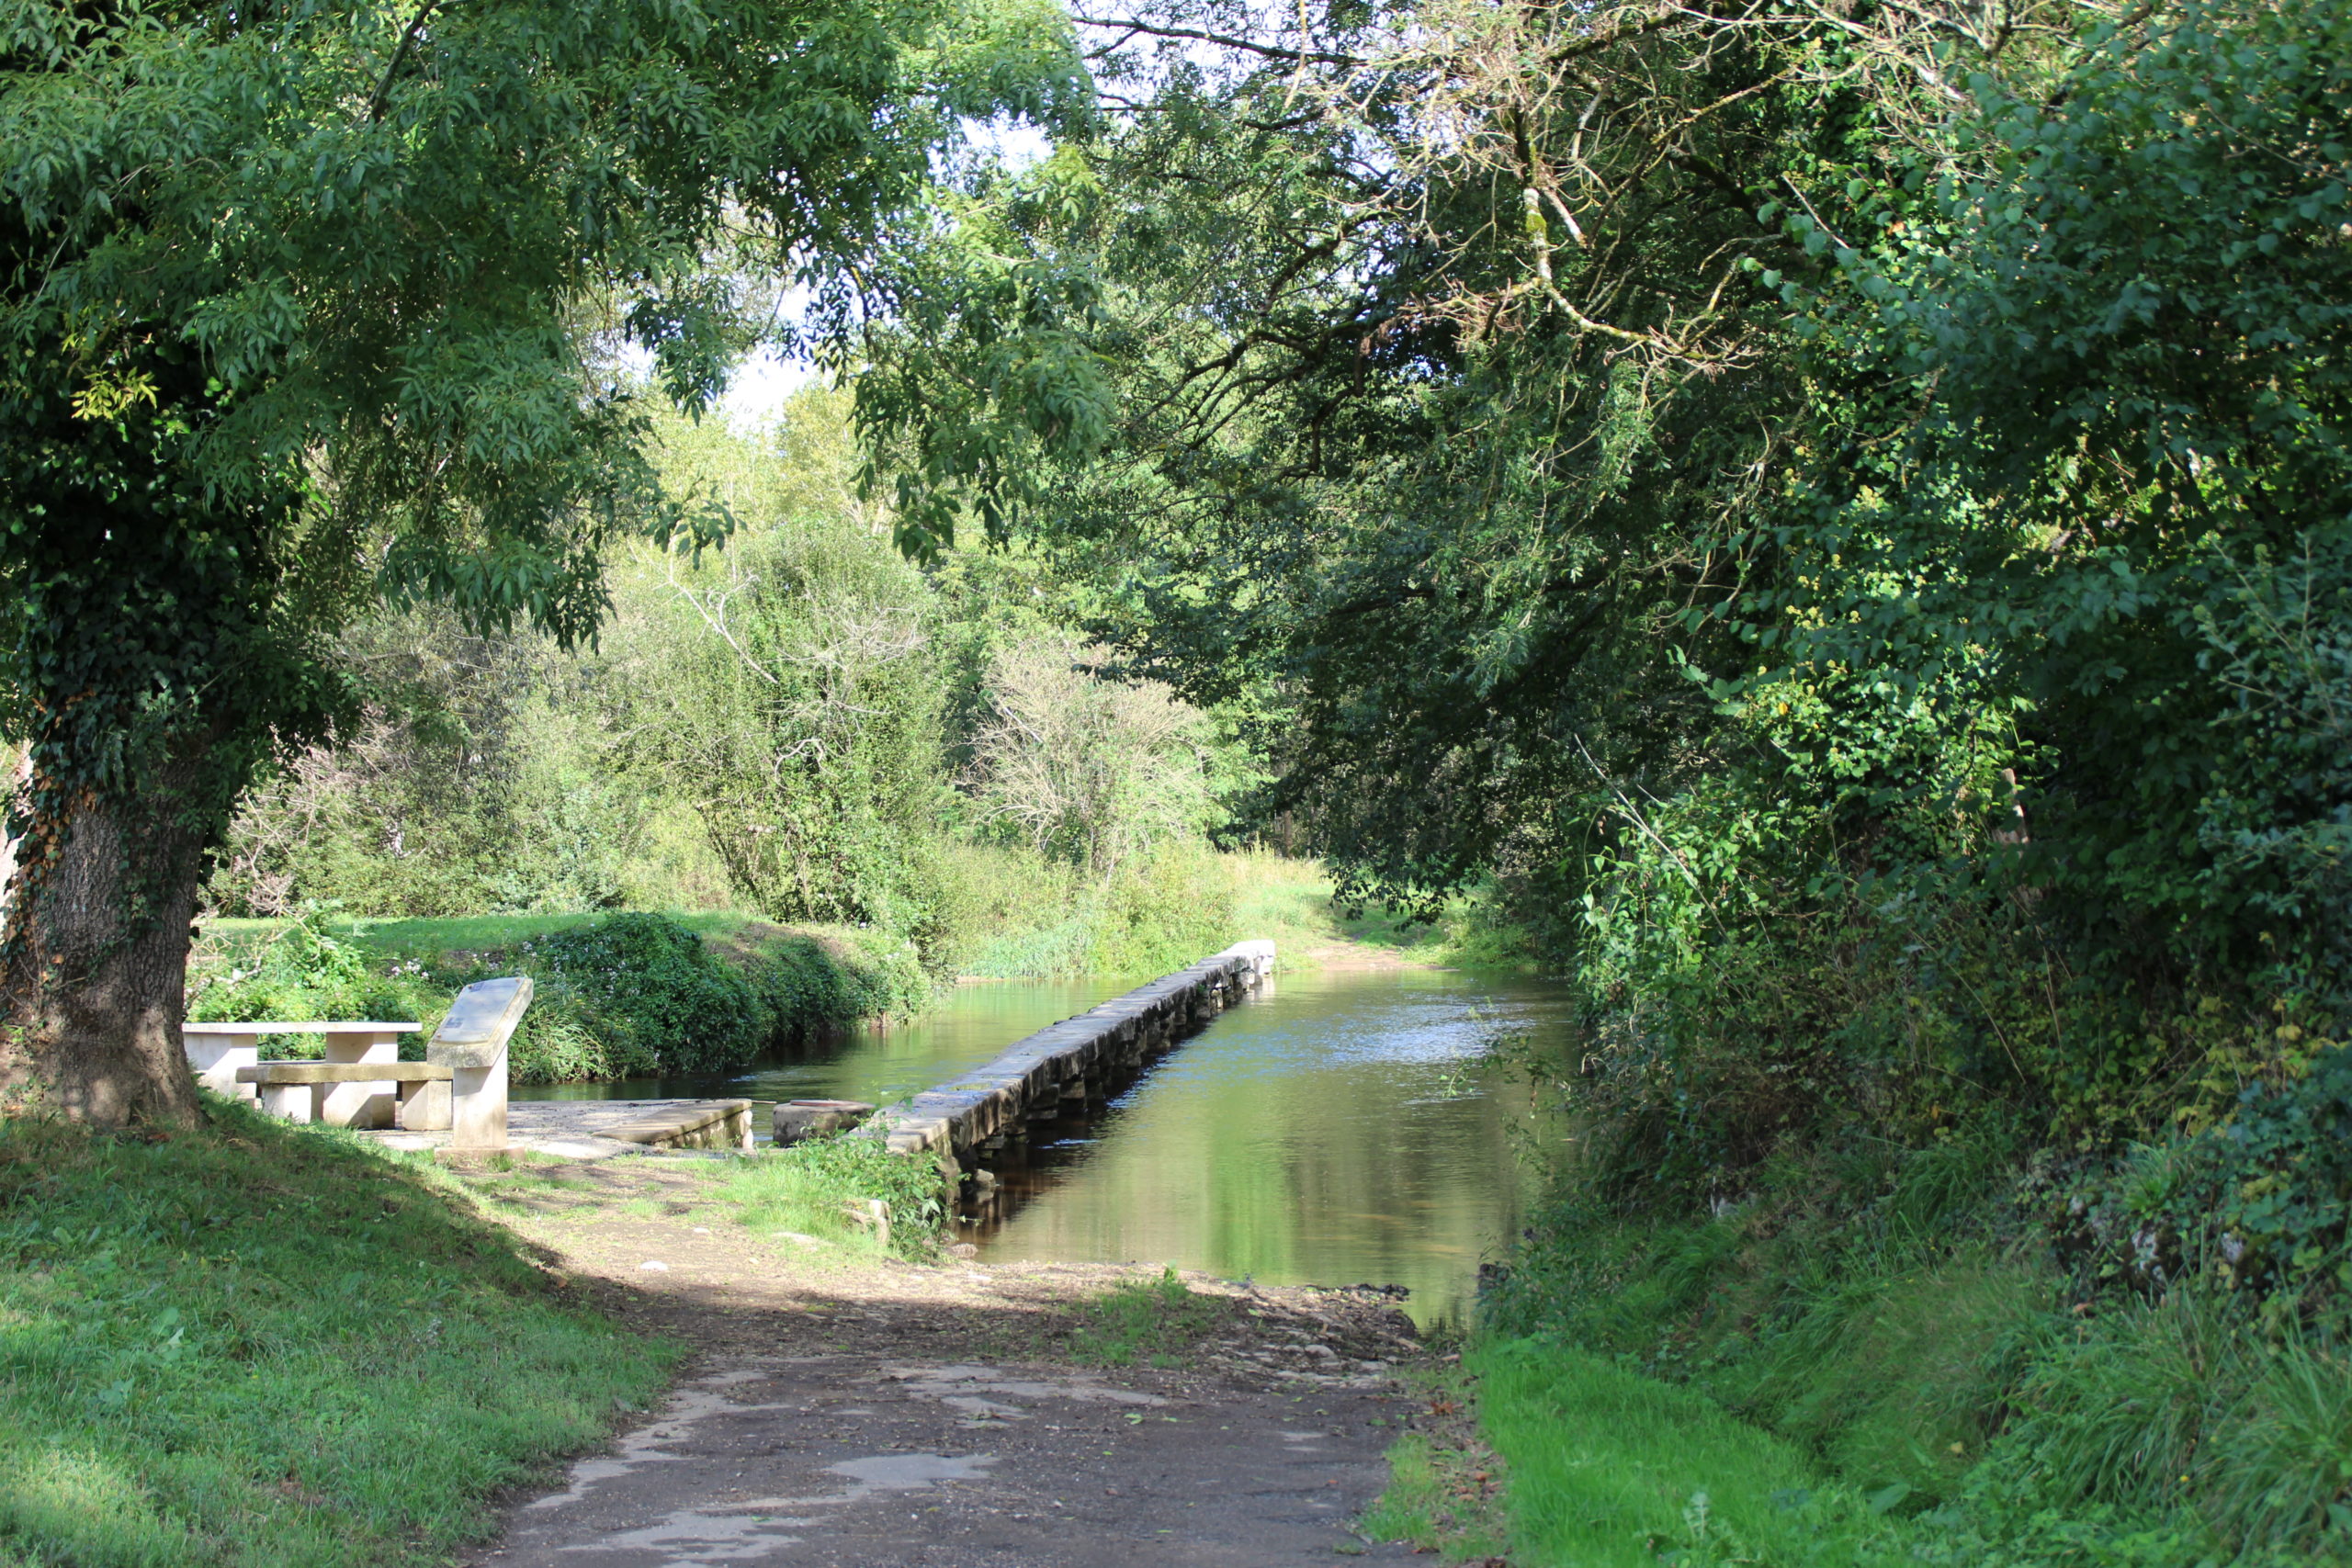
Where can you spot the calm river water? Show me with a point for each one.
(1350, 1127)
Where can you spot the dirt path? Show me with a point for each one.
(890, 1414)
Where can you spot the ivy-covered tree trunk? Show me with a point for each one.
(152, 665)
(97, 942)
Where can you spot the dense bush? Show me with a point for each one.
(802, 724)
(660, 995)
(302, 973)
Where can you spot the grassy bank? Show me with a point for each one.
(257, 1346)
(1611, 1469)
(1193, 904)
(1888, 1339)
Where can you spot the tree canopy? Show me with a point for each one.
(1826, 509)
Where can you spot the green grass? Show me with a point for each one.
(1903, 1350)
(253, 1345)
(1409, 1507)
(809, 1189)
(1612, 1468)
(1445, 1486)
(1153, 1321)
(483, 933)
(435, 939)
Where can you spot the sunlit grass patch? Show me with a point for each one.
(1611, 1467)
(1290, 902)
(1153, 1321)
(257, 1345)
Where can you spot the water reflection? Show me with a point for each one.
(1350, 1127)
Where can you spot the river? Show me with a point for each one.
(1349, 1127)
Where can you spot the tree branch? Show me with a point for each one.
(378, 99)
(1128, 26)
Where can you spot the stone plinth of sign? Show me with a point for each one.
(471, 1043)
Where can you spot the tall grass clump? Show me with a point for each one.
(824, 1189)
(1154, 1321)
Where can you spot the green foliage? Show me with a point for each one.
(2133, 311)
(276, 426)
(2255, 1205)
(1179, 903)
(787, 690)
(1099, 773)
(1896, 1318)
(248, 1345)
(1840, 522)
(662, 995)
(926, 762)
(485, 776)
(1154, 1321)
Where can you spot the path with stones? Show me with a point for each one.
(887, 1414)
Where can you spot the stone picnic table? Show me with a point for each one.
(219, 1051)
(460, 1087)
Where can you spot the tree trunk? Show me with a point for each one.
(97, 942)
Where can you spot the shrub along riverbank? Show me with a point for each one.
(617, 996)
(1953, 1336)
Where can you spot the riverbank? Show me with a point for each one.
(619, 995)
(644, 995)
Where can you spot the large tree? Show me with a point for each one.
(309, 303)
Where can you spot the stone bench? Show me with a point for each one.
(298, 1090)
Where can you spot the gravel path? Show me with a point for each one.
(889, 1414)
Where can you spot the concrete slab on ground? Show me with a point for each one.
(596, 1129)
(840, 1460)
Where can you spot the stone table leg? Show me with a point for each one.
(477, 1105)
(292, 1101)
(215, 1059)
(360, 1104)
